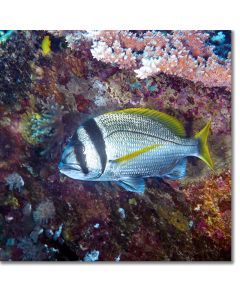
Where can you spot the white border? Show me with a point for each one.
(128, 281)
(124, 14)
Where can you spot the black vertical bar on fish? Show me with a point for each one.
(79, 152)
(96, 137)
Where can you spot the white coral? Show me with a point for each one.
(100, 50)
(149, 68)
(115, 54)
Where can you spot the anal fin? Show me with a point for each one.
(178, 172)
(133, 184)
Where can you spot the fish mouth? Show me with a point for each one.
(67, 167)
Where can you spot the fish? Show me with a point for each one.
(126, 146)
(4, 35)
(46, 45)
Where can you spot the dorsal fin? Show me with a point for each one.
(170, 122)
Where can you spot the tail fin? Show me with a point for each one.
(204, 153)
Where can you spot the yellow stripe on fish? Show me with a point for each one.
(129, 156)
(169, 121)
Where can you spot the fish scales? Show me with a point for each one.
(130, 133)
(135, 123)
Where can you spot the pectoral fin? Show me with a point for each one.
(133, 184)
(179, 171)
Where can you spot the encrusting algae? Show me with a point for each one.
(211, 203)
(174, 217)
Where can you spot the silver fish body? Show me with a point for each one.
(127, 146)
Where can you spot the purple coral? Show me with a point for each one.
(31, 251)
(44, 212)
(14, 181)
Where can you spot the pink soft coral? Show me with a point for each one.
(115, 54)
(181, 53)
(211, 73)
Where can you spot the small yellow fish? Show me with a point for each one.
(46, 45)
